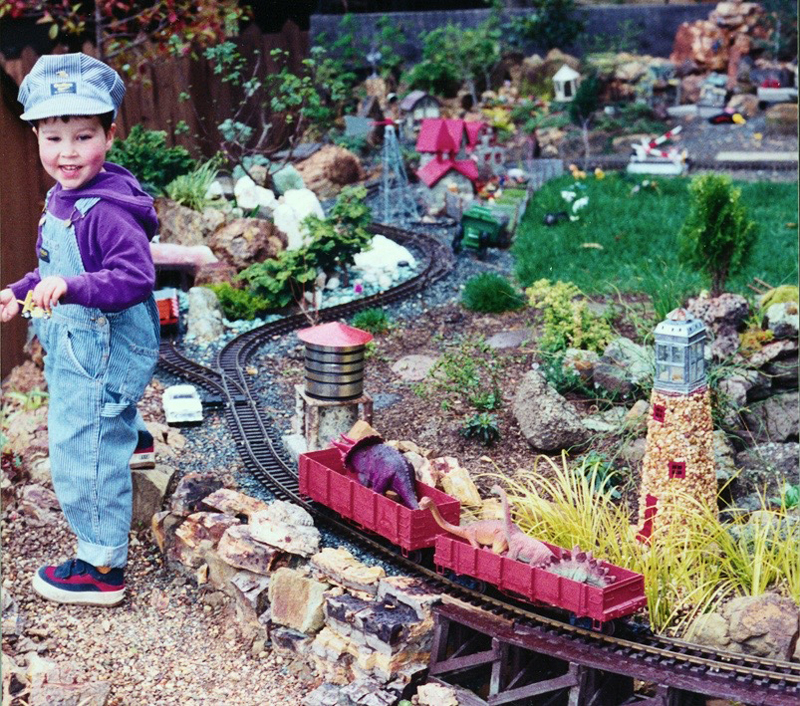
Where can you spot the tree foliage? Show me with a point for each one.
(128, 33)
(717, 236)
(553, 23)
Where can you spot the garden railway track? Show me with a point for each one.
(680, 667)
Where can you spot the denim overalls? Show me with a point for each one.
(97, 366)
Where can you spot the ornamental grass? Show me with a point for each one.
(690, 567)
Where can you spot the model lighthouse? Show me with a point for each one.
(679, 456)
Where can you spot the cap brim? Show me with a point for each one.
(57, 106)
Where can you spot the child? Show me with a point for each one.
(96, 276)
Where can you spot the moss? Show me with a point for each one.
(779, 295)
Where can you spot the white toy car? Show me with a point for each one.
(182, 405)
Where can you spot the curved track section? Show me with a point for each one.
(649, 657)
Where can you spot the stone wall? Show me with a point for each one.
(658, 25)
(328, 614)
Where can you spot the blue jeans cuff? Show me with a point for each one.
(99, 555)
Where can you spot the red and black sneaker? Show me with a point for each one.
(75, 581)
(145, 454)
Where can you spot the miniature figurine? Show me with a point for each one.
(30, 310)
(379, 467)
(521, 547)
(484, 533)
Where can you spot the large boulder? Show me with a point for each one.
(766, 626)
(330, 169)
(292, 209)
(185, 226)
(547, 420)
(775, 419)
(724, 316)
(782, 319)
(204, 321)
(702, 42)
(764, 468)
(245, 241)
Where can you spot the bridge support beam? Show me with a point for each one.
(488, 671)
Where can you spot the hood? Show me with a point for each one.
(117, 185)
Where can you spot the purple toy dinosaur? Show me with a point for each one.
(379, 467)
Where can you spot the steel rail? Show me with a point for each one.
(259, 443)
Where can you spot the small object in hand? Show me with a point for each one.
(30, 310)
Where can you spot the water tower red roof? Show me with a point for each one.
(334, 335)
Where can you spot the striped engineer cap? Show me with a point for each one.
(70, 84)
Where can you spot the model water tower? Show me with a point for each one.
(329, 402)
(679, 456)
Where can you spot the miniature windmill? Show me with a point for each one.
(679, 456)
(398, 206)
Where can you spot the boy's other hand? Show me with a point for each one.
(9, 306)
(47, 293)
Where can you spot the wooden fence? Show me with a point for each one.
(153, 102)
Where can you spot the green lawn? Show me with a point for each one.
(637, 235)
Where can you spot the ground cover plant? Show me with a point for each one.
(626, 237)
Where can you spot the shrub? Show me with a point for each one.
(373, 320)
(482, 427)
(717, 236)
(145, 154)
(568, 322)
(553, 23)
(491, 293)
(239, 303)
(190, 189)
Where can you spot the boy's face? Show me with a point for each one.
(73, 152)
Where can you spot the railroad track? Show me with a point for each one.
(647, 657)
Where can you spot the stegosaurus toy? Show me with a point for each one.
(580, 566)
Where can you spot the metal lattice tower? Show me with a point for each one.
(398, 206)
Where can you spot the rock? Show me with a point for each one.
(184, 226)
(547, 420)
(163, 526)
(343, 569)
(508, 339)
(783, 373)
(38, 505)
(204, 321)
(245, 241)
(710, 629)
(329, 169)
(296, 601)
(781, 119)
(765, 626)
(456, 481)
(436, 695)
(414, 368)
(604, 422)
(251, 594)
(775, 419)
(251, 196)
(190, 492)
(232, 502)
(633, 451)
(612, 379)
(149, 489)
(238, 547)
(702, 42)
(581, 362)
(637, 414)
(635, 360)
(766, 467)
(286, 179)
(382, 261)
(287, 527)
(410, 592)
(13, 621)
(782, 319)
(724, 463)
(724, 316)
(783, 348)
(205, 527)
(66, 685)
(214, 273)
(690, 88)
(292, 209)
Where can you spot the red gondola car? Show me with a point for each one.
(168, 309)
(324, 478)
(624, 596)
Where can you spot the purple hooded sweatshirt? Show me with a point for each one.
(113, 239)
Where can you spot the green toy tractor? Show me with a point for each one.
(482, 227)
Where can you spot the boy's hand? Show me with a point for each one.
(47, 293)
(9, 306)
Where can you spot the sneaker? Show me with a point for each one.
(75, 581)
(145, 454)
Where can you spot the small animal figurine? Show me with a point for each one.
(484, 533)
(379, 467)
(582, 567)
(521, 547)
(30, 310)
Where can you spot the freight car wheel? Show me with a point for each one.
(467, 582)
